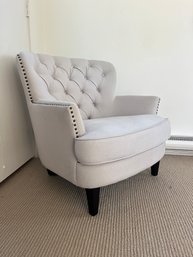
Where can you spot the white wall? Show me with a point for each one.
(150, 43)
(16, 138)
(38, 12)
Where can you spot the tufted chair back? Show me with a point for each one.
(89, 84)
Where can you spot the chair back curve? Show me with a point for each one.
(88, 83)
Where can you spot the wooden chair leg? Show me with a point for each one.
(51, 173)
(155, 169)
(93, 200)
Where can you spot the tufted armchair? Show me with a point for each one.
(85, 134)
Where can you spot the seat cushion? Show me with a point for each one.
(115, 138)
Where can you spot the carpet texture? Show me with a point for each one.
(143, 216)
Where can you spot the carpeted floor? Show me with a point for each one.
(143, 216)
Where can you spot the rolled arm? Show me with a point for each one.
(56, 125)
(135, 105)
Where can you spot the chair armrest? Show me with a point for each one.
(135, 105)
(56, 125)
(70, 109)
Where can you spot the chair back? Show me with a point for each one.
(88, 83)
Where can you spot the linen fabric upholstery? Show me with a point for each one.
(54, 134)
(89, 84)
(135, 105)
(115, 138)
(83, 132)
(93, 176)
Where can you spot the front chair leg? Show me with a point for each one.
(155, 169)
(93, 200)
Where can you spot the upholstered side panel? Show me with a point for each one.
(113, 172)
(54, 132)
(76, 120)
(88, 83)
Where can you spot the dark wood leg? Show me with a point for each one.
(93, 200)
(155, 169)
(51, 173)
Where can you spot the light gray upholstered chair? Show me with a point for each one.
(85, 134)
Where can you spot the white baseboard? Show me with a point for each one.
(175, 147)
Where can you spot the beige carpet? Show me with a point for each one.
(143, 216)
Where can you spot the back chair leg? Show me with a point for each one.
(155, 169)
(93, 200)
(51, 173)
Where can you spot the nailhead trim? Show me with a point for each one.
(158, 106)
(25, 77)
(74, 122)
